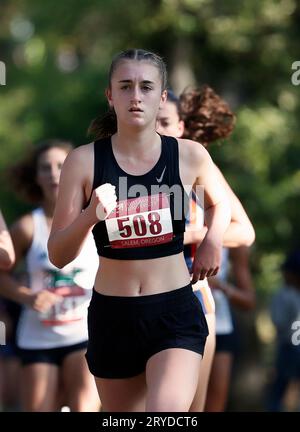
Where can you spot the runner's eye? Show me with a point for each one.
(44, 168)
(164, 123)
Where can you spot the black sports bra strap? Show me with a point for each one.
(99, 149)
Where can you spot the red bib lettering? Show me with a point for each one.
(140, 222)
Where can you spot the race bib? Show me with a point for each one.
(74, 303)
(71, 308)
(140, 222)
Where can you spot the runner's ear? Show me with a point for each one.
(163, 98)
(109, 97)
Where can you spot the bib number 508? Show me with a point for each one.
(140, 225)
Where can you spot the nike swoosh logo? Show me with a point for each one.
(159, 179)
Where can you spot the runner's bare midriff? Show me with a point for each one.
(141, 277)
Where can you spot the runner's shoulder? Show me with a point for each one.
(22, 230)
(192, 152)
(80, 158)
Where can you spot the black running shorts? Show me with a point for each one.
(124, 332)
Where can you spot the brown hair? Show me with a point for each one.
(22, 175)
(207, 117)
(106, 125)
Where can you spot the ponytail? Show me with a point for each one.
(103, 126)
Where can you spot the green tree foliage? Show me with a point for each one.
(57, 55)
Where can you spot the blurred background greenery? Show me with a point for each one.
(57, 55)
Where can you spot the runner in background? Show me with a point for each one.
(238, 294)
(200, 114)
(52, 331)
(285, 314)
(8, 361)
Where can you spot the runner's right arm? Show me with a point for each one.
(71, 225)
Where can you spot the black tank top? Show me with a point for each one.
(149, 219)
